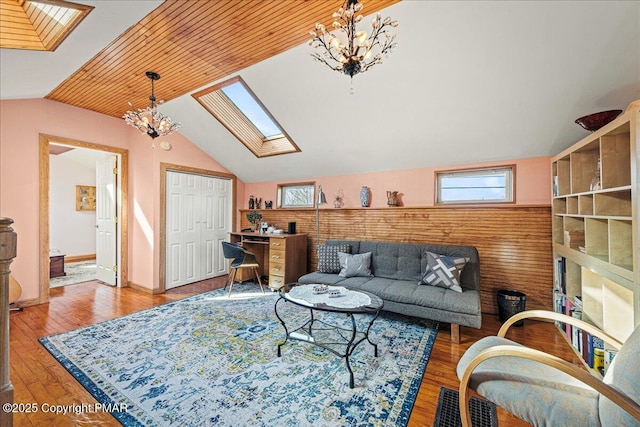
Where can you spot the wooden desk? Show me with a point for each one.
(282, 257)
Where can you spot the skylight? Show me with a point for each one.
(248, 105)
(238, 109)
(60, 14)
(38, 25)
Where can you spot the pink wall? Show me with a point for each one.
(21, 122)
(533, 183)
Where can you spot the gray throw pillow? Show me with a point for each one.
(355, 265)
(328, 261)
(443, 271)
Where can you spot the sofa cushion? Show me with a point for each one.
(443, 271)
(320, 278)
(394, 260)
(409, 292)
(328, 260)
(358, 265)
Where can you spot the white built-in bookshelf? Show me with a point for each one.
(595, 227)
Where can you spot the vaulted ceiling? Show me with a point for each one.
(469, 81)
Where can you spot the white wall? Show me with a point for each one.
(72, 232)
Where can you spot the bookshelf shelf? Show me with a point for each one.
(595, 233)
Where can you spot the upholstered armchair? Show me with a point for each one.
(545, 390)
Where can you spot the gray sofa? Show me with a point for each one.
(397, 269)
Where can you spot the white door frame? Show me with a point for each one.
(164, 167)
(123, 200)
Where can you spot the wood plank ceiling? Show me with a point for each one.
(38, 25)
(190, 44)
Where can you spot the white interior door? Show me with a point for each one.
(216, 224)
(198, 218)
(106, 213)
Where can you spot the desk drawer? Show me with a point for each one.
(277, 244)
(276, 269)
(277, 256)
(276, 281)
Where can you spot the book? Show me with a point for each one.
(598, 355)
(568, 310)
(577, 300)
(609, 355)
(558, 306)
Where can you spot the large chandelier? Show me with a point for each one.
(149, 120)
(348, 51)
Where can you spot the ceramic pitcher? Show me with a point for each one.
(392, 198)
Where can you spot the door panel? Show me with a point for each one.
(195, 226)
(106, 212)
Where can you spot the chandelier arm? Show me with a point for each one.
(321, 59)
(377, 33)
(327, 47)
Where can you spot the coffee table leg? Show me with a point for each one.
(375, 346)
(286, 331)
(311, 322)
(350, 348)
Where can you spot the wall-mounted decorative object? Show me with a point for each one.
(252, 202)
(85, 198)
(268, 204)
(365, 196)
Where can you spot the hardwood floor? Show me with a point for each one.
(38, 377)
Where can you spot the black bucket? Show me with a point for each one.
(510, 303)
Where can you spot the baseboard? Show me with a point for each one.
(26, 302)
(78, 258)
(144, 289)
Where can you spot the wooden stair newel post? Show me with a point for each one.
(8, 241)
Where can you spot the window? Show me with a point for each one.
(300, 195)
(39, 25)
(238, 109)
(486, 185)
(238, 93)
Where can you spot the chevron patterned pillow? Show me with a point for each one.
(443, 271)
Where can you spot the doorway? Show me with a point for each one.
(196, 216)
(120, 252)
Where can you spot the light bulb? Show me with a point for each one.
(362, 37)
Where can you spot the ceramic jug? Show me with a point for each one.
(392, 198)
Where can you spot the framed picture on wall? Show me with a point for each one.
(85, 198)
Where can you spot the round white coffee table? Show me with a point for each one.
(350, 302)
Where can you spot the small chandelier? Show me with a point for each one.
(149, 120)
(356, 56)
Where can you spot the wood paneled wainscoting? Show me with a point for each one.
(514, 242)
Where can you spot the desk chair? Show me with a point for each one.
(241, 258)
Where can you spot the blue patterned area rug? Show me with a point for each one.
(209, 360)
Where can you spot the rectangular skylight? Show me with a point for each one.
(247, 104)
(238, 109)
